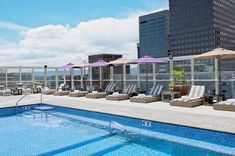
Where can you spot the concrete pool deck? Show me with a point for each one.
(202, 117)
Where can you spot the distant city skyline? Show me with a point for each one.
(56, 32)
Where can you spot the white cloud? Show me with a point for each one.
(57, 44)
(12, 26)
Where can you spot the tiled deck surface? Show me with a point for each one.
(202, 116)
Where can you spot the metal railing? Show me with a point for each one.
(17, 102)
(121, 128)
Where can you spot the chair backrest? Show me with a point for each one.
(61, 87)
(130, 88)
(156, 90)
(196, 91)
(90, 88)
(110, 87)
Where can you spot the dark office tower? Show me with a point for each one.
(153, 34)
(198, 26)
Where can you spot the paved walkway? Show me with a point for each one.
(202, 116)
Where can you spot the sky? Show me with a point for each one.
(55, 32)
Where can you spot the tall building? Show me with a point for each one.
(106, 70)
(153, 34)
(198, 26)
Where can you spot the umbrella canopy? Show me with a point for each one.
(147, 60)
(67, 66)
(99, 63)
(219, 53)
(81, 65)
(119, 61)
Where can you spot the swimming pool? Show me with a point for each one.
(52, 130)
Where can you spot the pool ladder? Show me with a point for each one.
(17, 102)
(121, 127)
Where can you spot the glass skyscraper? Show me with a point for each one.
(198, 26)
(153, 34)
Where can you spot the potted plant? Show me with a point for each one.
(179, 83)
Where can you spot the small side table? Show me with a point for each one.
(208, 99)
(167, 96)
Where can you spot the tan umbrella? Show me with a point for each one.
(81, 65)
(119, 62)
(218, 54)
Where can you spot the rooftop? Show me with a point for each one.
(204, 117)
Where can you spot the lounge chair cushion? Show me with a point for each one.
(61, 93)
(77, 93)
(144, 99)
(191, 103)
(96, 95)
(117, 97)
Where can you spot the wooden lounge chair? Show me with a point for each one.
(78, 93)
(195, 98)
(95, 94)
(154, 95)
(60, 91)
(4, 91)
(18, 89)
(126, 93)
(228, 105)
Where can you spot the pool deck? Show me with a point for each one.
(202, 117)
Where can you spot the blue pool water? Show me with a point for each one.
(51, 130)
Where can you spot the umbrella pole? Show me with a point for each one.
(82, 77)
(64, 77)
(90, 76)
(146, 74)
(72, 78)
(101, 78)
(124, 76)
(220, 82)
(216, 77)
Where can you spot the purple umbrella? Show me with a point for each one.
(147, 60)
(99, 63)
(67, 66)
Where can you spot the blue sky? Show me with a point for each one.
(33, 30)
(34, 13)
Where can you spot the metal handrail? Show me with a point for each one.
(122, 128)
(17, 102)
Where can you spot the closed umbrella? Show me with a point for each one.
(147, 60)
(217, 54)
(100, 64)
